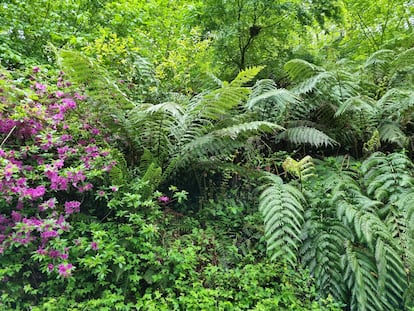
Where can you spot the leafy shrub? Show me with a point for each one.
(50, 161)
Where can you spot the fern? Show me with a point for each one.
(245, 76)
(282, 208)
(205, 127)
(303, 169)
(280, 97)
(387, 176)
(105, 98)
(299, 69)
(307, 135)
(150, 181)
(357, 247)
(392, 133)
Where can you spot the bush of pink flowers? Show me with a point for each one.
(52, 156)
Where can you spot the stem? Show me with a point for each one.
(8, 135)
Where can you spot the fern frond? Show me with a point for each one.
(246, 76)
(307, 135)
(303, 169)
(380, 58)
(299, 69)
(386, 175)
(360, 103)
(280, 97)
(150, 180)
(282, 208)
(391, 132)
(104, 96)
(171, 108)
(247, 129)
(403, 60)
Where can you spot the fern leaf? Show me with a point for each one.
(299, 69)
(403, 60)
(247, 128)
(280, 97)
(282, 208)
(357, 103)
(307, 135)
(391, 132)
(380, 57)
(246, 76)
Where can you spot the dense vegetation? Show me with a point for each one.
(206, 155)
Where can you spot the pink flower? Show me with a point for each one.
(66, 137)
(65, 270)
(40, 86)
(163, 199)
(69, 103)
(36, 69)
(35, 193)
(94, 246)
(72, 206)
(42, 251)
(54, 253)
(114, 188)
(16, 217)
(50, 267)
(49, 204)
(49, 234)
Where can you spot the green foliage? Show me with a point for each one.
(355, 235)
(282, 209)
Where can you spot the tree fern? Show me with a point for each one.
(206, 126)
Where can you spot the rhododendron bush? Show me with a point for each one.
(52, 158)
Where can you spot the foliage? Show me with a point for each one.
(355, 236)
(247, 33)
(136, 185)
(51, 160)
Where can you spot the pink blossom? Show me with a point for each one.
(16, 217)
(65, 270)
(36, 69)
(66, 137)
(163, 199)
(94, 246)
(35, 193)
(50, 267)
(69, 103)
(42, 251)
(49, 204)
(72, 206)
(85, 187)
(79, 97)
(49, 234)
(54, 253)
(40, 86)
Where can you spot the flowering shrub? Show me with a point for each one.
(52, 156)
